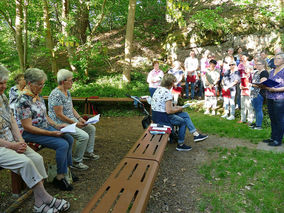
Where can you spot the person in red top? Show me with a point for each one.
(245, 70)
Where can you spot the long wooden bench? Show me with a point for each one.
(129, 186)
(88, 100)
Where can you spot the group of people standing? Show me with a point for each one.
(237, 81)
(24, 118)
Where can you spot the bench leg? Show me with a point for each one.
(17, 183)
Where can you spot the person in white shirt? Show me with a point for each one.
(191, 65)
(211, 78)
(163, 112)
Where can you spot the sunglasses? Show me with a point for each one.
(231, 65)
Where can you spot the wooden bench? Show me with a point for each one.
(17, 183)
(129, 186)
(87, 101)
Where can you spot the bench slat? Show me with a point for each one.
(122, 185)
(149, 147)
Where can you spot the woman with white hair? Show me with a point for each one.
(61, 110)
(37, 127)
(275, 102)
(21, 159)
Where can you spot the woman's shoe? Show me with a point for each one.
(62, 184)
(63, 206)
(274, 143)
(267, 140)
(44, 208)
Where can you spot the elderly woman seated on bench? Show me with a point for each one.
(37, 127)
(61, 110)
(163, 112)
(21, 159)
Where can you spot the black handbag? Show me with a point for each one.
(146, 121)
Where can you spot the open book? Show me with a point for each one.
(268, 83)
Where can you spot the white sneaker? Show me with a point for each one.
(206, 112)
(224, 116)
(79, 166)
(231, 117)
(213, 113)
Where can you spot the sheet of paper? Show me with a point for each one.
(93, 120)
(70, 128)
(186, 105)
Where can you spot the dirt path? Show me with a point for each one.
(176, 188)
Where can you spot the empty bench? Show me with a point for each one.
(129, 186)
(87, 101)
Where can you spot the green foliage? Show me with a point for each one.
(243, 180)
(112, 86)
(225, 128)
(211, 20)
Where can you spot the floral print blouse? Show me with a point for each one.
(26, 108)
(58, 98)
(159, 99)
(279, 77)
(5, 119)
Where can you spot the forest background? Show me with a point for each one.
(110, 44)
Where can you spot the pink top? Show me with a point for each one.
(154, 78)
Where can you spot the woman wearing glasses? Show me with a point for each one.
(230, 79)
(61, 110)
(37, 127)
(275, 102)
(258, 94)
(21, 159)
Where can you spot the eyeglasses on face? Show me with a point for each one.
(231, 65)
(70, 80)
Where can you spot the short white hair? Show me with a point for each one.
(4, 73)
(63, 75)
(34, 75)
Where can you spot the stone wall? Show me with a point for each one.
(250, 43)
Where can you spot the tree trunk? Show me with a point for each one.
(25, 34)
(19, 34)
(82, 21)
(129, 40)
(48, 37)
(65, 18)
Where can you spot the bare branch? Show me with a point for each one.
(8, 20)
(101, 19)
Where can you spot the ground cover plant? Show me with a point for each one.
(225, 128)
(243, 180)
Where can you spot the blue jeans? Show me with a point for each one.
(276, 115)
(152, 90)
(182, 120)
(192, 86)
(257, 104)
(62, 146)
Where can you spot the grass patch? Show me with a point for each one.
(225, 128)
(244, 180)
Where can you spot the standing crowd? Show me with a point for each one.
(240, 81)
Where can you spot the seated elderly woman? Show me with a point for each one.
(16, 90)
(61, 110)
(21, 159)
(37, 127)
(163, 112)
